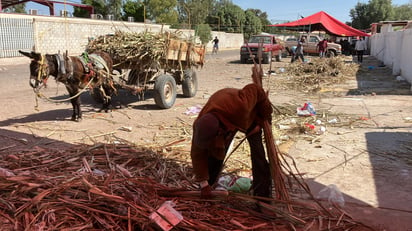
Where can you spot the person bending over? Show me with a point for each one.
(227, 111)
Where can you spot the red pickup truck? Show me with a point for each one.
(271, 47)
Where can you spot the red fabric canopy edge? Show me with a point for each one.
(331, 25)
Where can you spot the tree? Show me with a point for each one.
(232, 17)
(99, 6)
(18, 8)
(115, 8)
(194, 12)
(359, 16)
(162, 11)
(135, 9)
(380, 10)
(402, 12)
(263, 17)
(204, 33)
(253, 24)
(364, 14)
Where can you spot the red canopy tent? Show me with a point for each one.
(322, 21)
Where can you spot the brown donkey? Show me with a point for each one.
(77, 73)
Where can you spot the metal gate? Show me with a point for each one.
(15, 34)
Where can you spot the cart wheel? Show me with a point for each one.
(189, 84)
(165, 91)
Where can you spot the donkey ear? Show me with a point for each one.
(26, 54)
(32, 55)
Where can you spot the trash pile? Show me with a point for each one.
(122, 187)
(293, 122)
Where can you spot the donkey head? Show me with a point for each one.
(39, 68)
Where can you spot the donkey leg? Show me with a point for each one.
(79, 109)
(107, 98)
(107, 104)
(77, 113)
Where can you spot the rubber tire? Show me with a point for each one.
(189, 84)
(266, 59)
(243, 59)
(279, 57)
(165, 91)
(330, 54)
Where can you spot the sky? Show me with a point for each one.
(291, 10)
(278, 11)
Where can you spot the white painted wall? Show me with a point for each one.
(394, 49)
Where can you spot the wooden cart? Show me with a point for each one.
(176, 67)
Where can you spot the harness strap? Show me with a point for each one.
(69, 67)
(61, 67)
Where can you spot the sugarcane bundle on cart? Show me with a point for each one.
(164, 59)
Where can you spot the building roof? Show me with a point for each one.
(50, 4)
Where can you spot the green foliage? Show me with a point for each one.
(204, 32)
(193, 12)
(19, 8)
(359, 16)
(100, 7)
(220, 15)
(402, 12)
(263, 17)
(162, 11)
(232, 17)
(134, 9)
(364, 14)
(115, 8)
(380, 10)
(253, 24)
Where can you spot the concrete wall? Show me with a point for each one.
(54, 34)
(394, 49)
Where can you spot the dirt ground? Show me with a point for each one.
(364, 148)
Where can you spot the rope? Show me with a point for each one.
(38, 94)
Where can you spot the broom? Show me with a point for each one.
(278, 175)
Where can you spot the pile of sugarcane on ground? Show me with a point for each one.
(316, 74)
(118, 187)
(137, 50)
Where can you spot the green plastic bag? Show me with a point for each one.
(241, 185)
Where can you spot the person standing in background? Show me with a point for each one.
(360, 48)
(322, 48)
(299, 50)
(215, 45)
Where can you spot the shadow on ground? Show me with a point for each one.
(375, 78)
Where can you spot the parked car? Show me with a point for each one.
(310, 45)
(271, 47)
